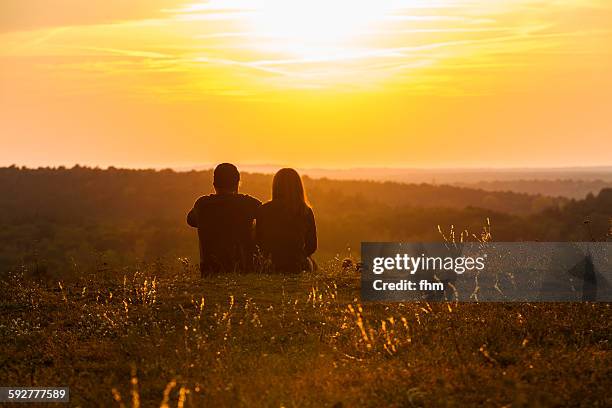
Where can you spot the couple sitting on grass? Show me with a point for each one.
(284, 236)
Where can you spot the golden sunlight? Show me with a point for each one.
(310, 43)
(315, 29)
(362, 81)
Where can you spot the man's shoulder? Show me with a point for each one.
(215, 200)
(205, 199)
(266, 207)
(267, 204)
(249, 199)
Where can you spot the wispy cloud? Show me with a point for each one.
(239, 47)
(23, 15)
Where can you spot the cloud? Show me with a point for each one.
(218, 47)
(24, 15)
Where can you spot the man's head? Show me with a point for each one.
(226, 178)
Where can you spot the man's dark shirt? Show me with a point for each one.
(288, 239)
(225, 231)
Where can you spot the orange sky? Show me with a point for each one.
(329, 83)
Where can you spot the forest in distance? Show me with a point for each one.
(570, 182)
(59, 222)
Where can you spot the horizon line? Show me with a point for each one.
(271, 166)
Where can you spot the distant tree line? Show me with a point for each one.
(59, 221)
(554, 188)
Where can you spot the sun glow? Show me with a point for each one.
(315, 29)
(309, 44)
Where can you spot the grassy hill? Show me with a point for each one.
(101, 294)
(302, 341)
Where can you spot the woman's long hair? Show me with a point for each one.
(287, 189)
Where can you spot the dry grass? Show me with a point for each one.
(160, 336)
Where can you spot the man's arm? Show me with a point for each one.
(259, 228)
(255, 206)
(192, 216)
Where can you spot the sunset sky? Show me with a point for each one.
(326, 83)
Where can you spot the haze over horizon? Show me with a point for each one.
(391, 83)
(272, 167)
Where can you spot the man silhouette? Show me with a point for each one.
(225, 224)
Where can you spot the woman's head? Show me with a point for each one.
(287, 188)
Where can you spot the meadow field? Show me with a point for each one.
(100, 292)
(156, 335)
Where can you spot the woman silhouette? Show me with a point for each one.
(285, 226)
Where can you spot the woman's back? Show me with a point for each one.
(287, 237)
